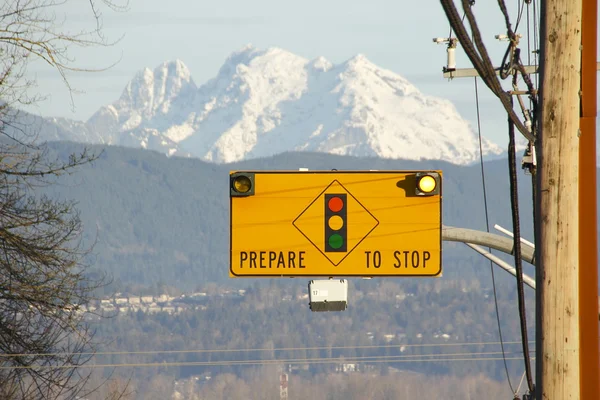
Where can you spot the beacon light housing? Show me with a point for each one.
(427, 184)
(241, 184)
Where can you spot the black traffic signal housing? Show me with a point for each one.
(241, 184)
(336, 223)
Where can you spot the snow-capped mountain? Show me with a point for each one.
(264, 102)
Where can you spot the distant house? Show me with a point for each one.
(163, 298)
(121, 300)
(147, 299)
(346, 367)
(108, 308)
(134, 300)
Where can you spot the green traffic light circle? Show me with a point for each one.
(336, 241)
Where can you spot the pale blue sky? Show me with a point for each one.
(395, 35)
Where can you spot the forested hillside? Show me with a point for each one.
(154, 219)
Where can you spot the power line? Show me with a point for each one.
(536, 40)
(318, 360)
(520, 7)
(487, 226)
(248, 350)
(528, 38)
(479, 56)
(514, 200)
(477, 53)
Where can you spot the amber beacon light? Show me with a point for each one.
(242, 184)
(428, 184)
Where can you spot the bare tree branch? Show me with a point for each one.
(44, 290)
(30, 30)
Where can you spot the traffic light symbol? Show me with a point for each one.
(336, 223)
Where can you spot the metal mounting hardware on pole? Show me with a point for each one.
(472, 72)
(450, 50)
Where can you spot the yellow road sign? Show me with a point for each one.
(335, 223)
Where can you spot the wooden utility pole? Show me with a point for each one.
(567, 348)
(557, 247)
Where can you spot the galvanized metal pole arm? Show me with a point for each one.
(529, 281)
(496, 242)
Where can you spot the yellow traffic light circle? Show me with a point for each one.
(427, 184)
(336, 222)
(242, 184)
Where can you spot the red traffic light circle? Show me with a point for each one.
(335, 204)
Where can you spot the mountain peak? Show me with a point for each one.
(321, 64)
(274, 57)
(358, 58)
(151, 91)
(269, 101)
(241, 56)
(175, 69)
(359, 61)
